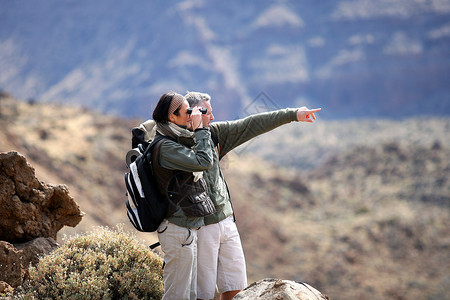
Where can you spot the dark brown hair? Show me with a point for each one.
(160, 114)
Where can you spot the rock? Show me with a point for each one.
(11, 268)
(35, 249)
(16, 259)
(29, 208)
(269, 289)
(31, 214)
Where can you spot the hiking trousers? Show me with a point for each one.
(179, 245)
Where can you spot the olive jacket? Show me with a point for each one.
(176, 156)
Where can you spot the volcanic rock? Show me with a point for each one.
(30, 208)
(31, 214)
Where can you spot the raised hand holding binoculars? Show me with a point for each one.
(202, 110)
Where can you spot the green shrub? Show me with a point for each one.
(104, 264)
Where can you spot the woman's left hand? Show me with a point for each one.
(196, 118)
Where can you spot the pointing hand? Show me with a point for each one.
(305, 114)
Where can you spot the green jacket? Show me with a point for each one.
(175, 156)
(231, 134)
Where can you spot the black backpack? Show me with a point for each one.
(146, 207)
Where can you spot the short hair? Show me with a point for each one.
(161, 112)
(196, 98)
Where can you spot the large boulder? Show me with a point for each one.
(269, 289)
(31, 214)
(30, 208)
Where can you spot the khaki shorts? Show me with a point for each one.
(220, 259)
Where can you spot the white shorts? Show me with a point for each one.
(220, 260)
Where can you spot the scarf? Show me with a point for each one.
(178, 133)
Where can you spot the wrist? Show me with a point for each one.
(201, 128)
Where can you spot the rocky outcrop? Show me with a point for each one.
(268, 289)
(30, 208)
(31, 214)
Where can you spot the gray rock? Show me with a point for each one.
(270, 289)
(35, 249)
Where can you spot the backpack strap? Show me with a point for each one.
(214, 138)
(217, 146)
(157, 138)
(153, 246)
(164, 176)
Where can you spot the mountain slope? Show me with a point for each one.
(366, 220)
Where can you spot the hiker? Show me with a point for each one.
(221, 259)
(182, 158)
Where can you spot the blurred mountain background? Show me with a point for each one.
(356, 204)
(355, 58)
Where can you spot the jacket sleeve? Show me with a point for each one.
(175, 156)
(234, 133)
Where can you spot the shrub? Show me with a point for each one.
(104, 264)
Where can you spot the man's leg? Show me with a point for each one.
(208, 250)
(231, 271)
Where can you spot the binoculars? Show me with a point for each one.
(203, 110)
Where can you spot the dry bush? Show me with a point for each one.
(104, 264)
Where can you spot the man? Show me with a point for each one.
(221, 259)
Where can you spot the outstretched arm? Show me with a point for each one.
(234, 133)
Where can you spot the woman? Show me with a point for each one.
(182, 158)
